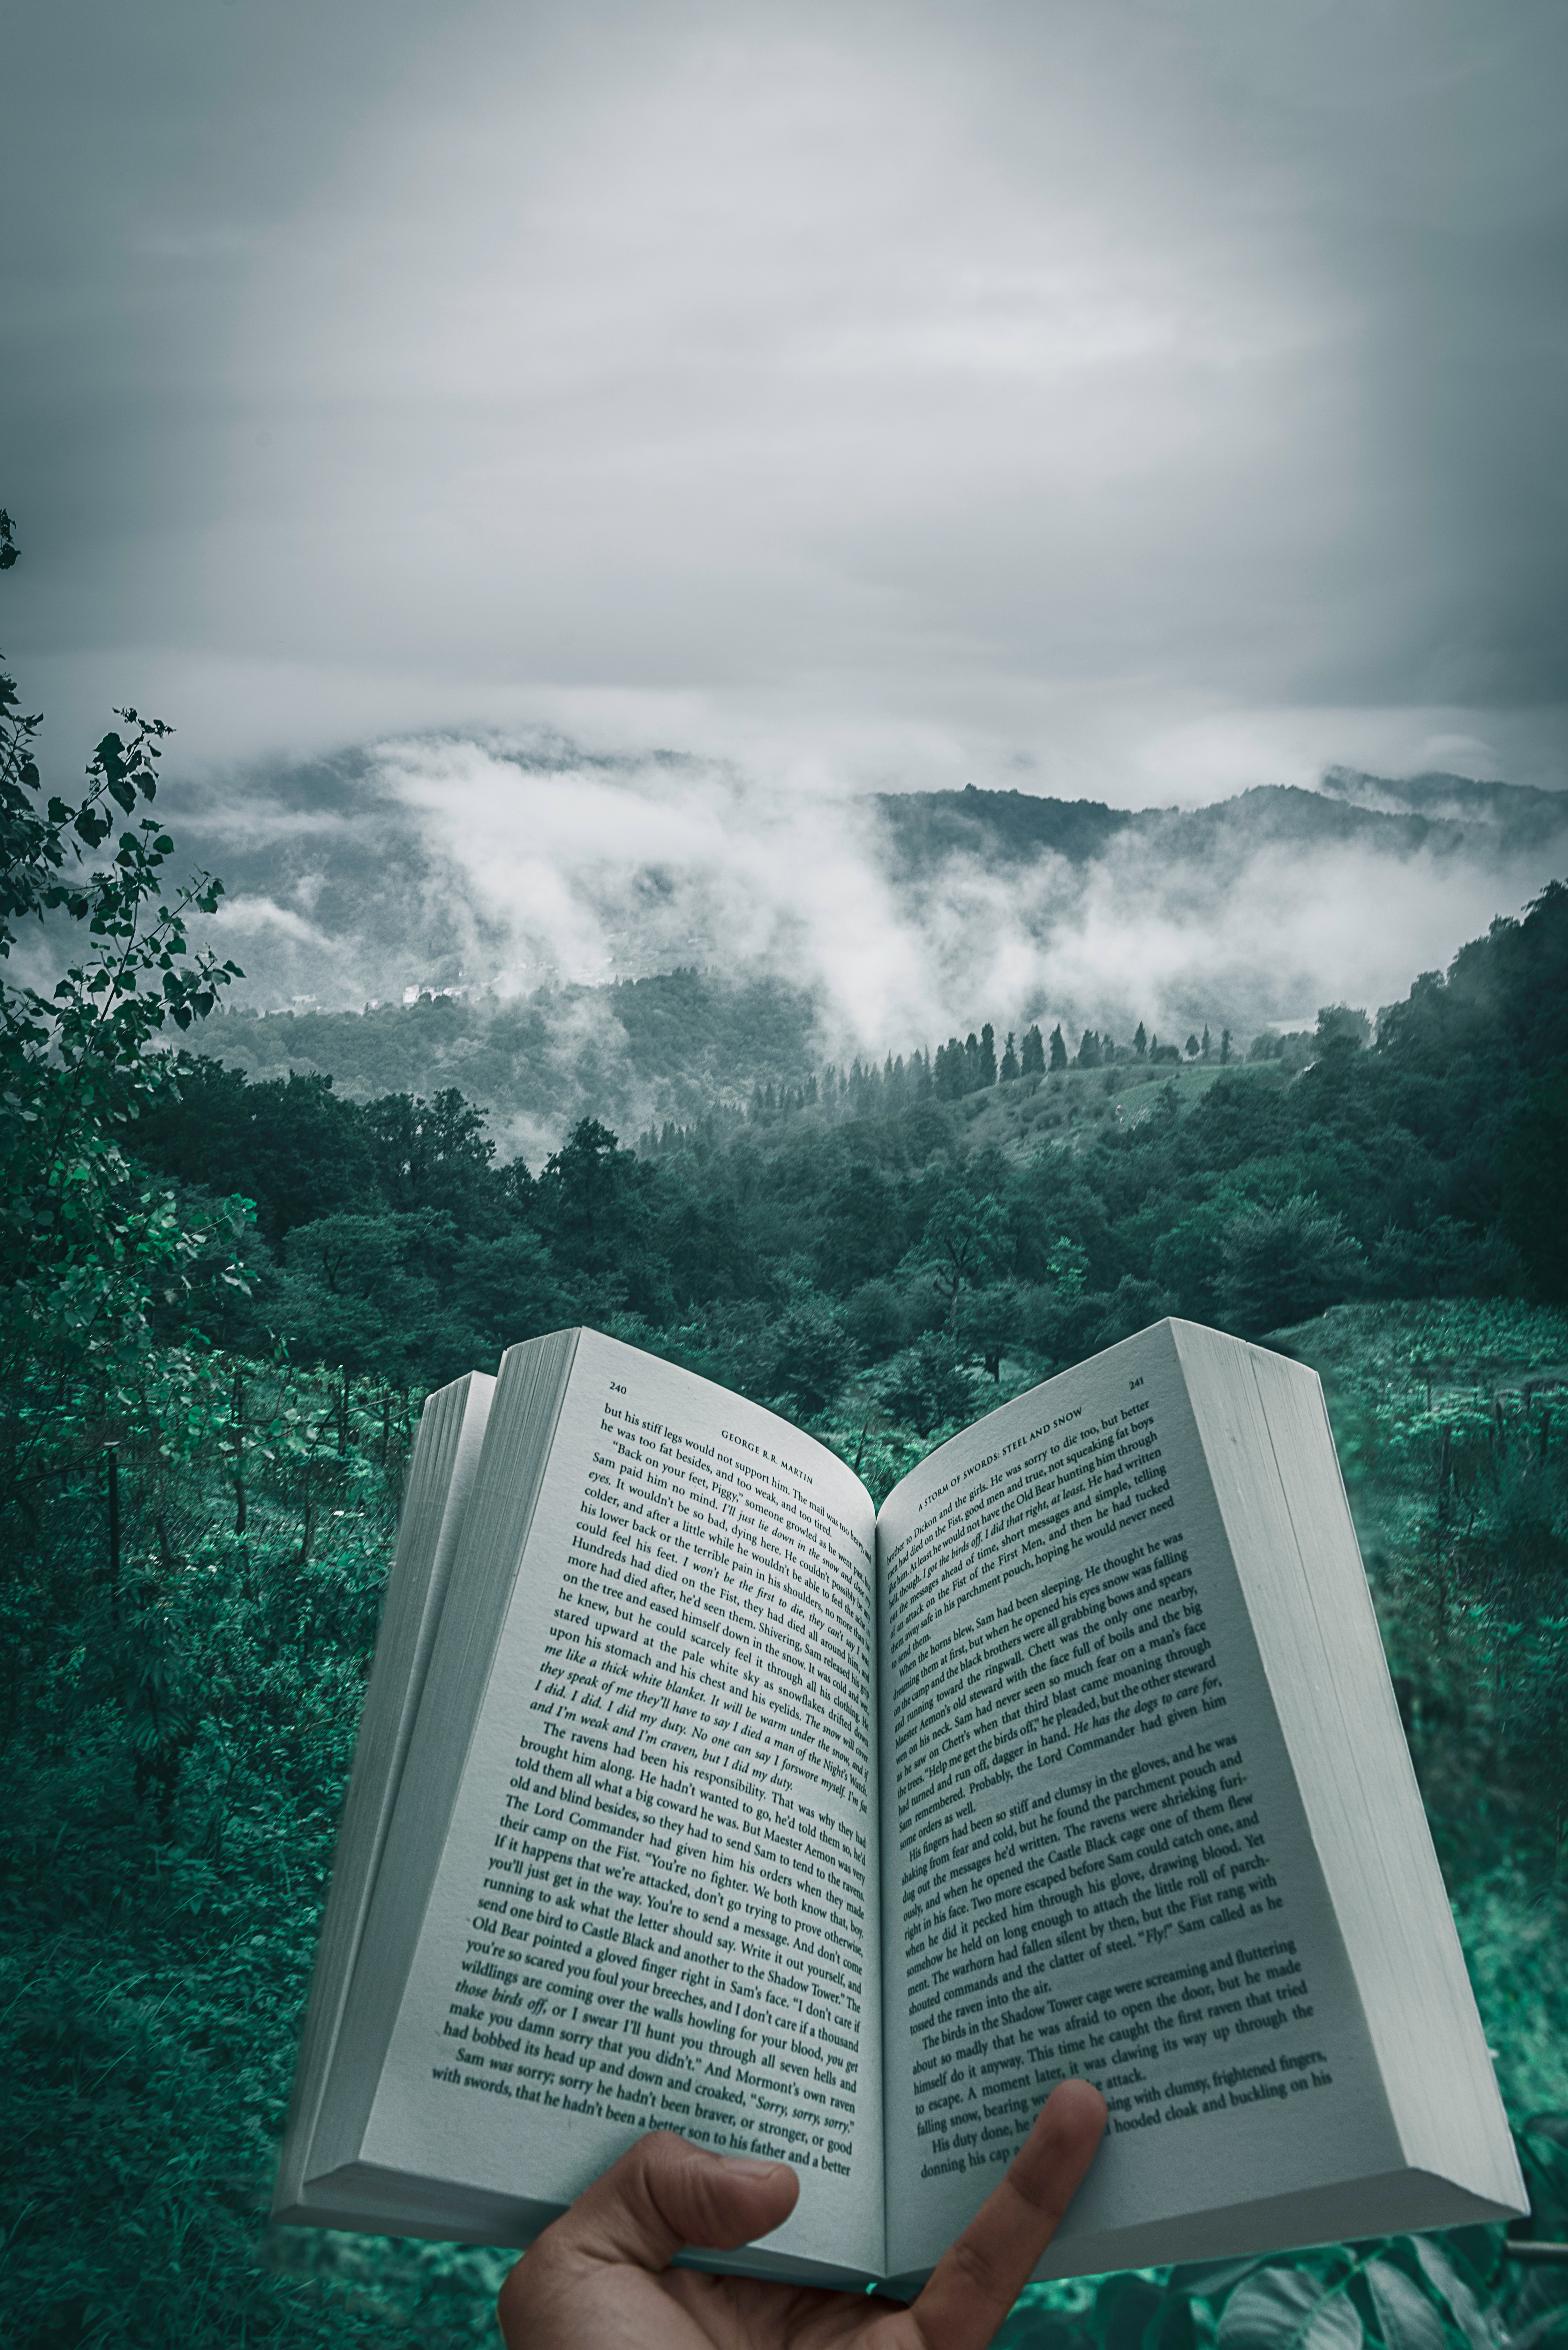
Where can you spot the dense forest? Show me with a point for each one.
(872, 1238)
(223, 1298)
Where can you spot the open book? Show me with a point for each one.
(693, 1793)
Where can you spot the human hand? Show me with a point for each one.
(599, 2278)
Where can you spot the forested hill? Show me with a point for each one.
(675, 1045)
(972, 1218)
(669, 1048)
(923, 828)
(521, 881)
(1446, 815)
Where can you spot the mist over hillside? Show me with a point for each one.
(529, 882)
(635, 1053)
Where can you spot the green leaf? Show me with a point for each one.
(1124, 2305)
(1289, 2309)
(1445, 2279)
(1406, 2320)
(1211, 2280)
(1551, 2323)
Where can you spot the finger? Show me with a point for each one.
(979, 2278)
(666, 2193)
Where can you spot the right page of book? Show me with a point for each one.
(1096, 1859)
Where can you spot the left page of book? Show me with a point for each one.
(441, 1479)
(655, 1903)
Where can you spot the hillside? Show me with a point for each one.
(528, 884)
(667, 1047)
(1446, 815)
(673, 1046)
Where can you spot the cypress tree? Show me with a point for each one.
(1058, 1049)
(1140, 1042)
(988, 1055)
(1034, 1052)
(1009, 1061)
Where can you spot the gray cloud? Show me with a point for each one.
(1108, 397)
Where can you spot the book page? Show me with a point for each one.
(441, 1479)
(1095, 1858)
(658, 1903)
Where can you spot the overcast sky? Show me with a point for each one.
(1119, 399)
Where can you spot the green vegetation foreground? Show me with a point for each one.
(222, 1303)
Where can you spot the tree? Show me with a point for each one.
(429, 1153)
(1224, 1049)
(988, 1055)
(1285, 1264)
(1532, 1161)
(300, 1148)
(862, 1231)
(1068, 1265)
(992, 1319)
(1058, 1049)
(1342, 1024)
(1204, 1047)
(1140, 1042)
(1033, 1064)
(1088, 1056)
(86, 1249)
(807, 1355)
(965, 1241)
(356, 1295)
(584, 1180)
(1009, 1061)
(1192, 1048)
(1189, 1260)
(927, 1388)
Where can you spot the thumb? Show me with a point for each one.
(666, 2193)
